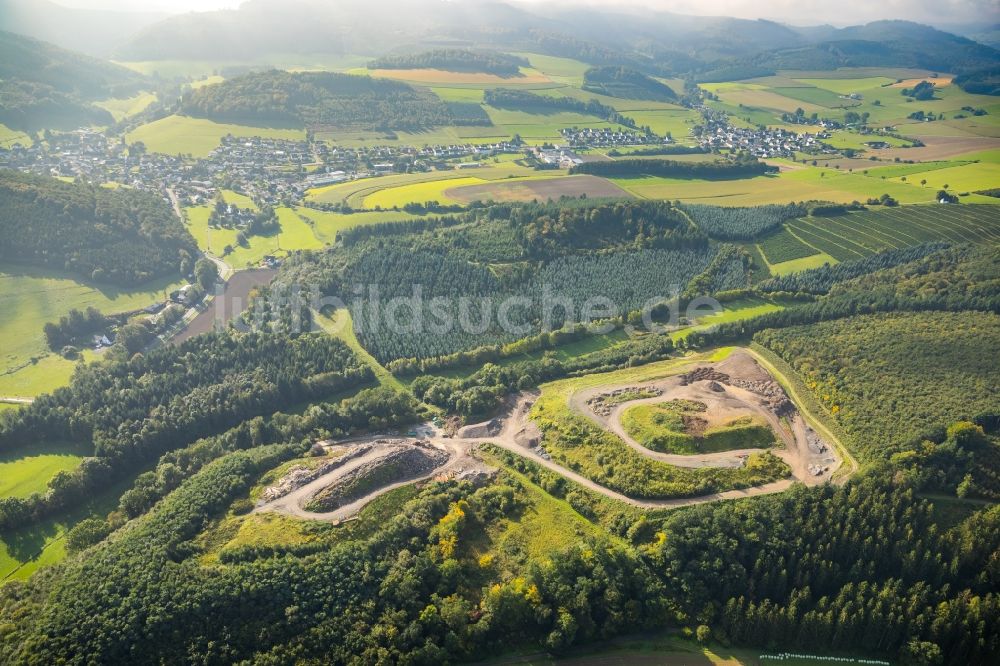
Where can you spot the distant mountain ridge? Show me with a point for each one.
(655, 42)
(94, 32)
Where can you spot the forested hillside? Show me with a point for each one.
(627, 252)
(880, 44)
(522, 100)
(415, 587)
(45, 86)
(455, 60)
(316, 99)
(109, 235)
(980, 82)
(627, 84)
(27, 59)
(132, 410)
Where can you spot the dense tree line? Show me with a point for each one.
(862, 368)
(980, 82)
(26, 59)
(771, 573)
(73, 326)
(626, 83)
(30, 106)
(522, 100)
(119, 235)
(672, 149)
(369, 409)
(728, 223)
(953, 280)
(484, 390)
(317, 99)
(455, 60)
(134, 409)
(718, 170)
(628, 252)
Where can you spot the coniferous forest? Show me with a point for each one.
(429, 332)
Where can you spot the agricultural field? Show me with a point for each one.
(536, 189)
(355, 192)
(860, 234)
(238, 200)
(121, 109)
(438, 77)
(197, 137)
(32, 297)
(9, 137)
(732, 311)
(400, 189)
(782, 246)
(26, 550)
(434, 190)
(22, 475)
(325, 225)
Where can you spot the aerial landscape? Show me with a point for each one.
(462, 331)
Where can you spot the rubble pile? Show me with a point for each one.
(300, 476)
(603, 404)
(704, 374)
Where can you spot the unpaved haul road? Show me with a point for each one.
(517, 433)
(293, 503)
(517, 422)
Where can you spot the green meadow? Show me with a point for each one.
(121, 109)
(30, 297)
(23, 475)
(197, 137)
(8, 137)
(296, 234)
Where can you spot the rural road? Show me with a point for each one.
(225, 270)
(516, 422)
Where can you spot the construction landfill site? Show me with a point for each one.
(356, 471)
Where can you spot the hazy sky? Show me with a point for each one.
(800, 12)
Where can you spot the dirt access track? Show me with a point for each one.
(750, 390)
(737, 386)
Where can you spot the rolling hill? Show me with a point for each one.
(627, 84)
(42, 85)
(94, 32)
(652, 42)
(315, 99)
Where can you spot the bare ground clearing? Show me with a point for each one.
(749, 390)
(229, 305)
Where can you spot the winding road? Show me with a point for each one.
(517, 434)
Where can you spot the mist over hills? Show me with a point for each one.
(94, 32)
(659, 42)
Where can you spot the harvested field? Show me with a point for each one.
(542, 190)
(230, 304)
(939, 148)
(937, 81)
